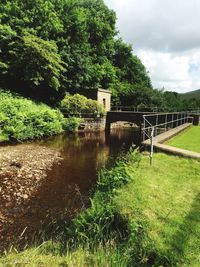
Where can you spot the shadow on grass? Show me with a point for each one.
(186, 231)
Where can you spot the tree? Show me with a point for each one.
(50, 47)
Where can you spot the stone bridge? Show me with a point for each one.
(129, 116)
(137, 117)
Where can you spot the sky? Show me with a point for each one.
(165, 35)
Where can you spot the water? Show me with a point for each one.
(67, 188)
(70, 184)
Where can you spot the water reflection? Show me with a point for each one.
(68, 186)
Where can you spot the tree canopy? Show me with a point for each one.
(50, 47)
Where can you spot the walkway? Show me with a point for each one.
(161, 138)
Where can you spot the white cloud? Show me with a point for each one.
(166, 36)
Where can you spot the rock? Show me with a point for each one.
(16, 164)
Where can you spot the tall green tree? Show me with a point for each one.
(53, 46)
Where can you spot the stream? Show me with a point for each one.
(69, 185)
(84, 155)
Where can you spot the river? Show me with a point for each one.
(68, 186)
(84, 155)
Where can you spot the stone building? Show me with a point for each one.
(103, 96)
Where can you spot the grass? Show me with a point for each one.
(170, 202)
(189, 139)
(140, 215)
(81, 257)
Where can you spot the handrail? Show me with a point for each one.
(150, 130)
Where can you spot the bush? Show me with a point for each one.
(71, 124)
(22, 119)
(75, 105)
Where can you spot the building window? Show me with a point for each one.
(104, 102)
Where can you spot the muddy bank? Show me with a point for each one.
(23, 168)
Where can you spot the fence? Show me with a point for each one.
(153, 109)
(81, 114)
(154, 124)
(134, 109)
(161, 122)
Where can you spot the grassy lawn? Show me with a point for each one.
(189, 139)
(170, 201)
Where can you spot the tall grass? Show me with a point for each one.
(102, 228)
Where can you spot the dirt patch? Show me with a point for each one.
(23, 168)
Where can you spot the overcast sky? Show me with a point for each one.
(165, 34)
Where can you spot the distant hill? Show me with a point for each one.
(192, 94)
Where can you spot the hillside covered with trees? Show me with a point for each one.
(48, 48)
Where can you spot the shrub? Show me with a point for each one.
(22, 119)
(71, 124)
(75, 105)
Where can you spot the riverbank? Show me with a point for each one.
(23, 168)
(139, 216)
(23, 119)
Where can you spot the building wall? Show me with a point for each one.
(101, 95)
(104, 97)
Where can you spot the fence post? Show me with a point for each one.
(144, 128)
(156, 131)
(151, 139)
(165, 122)
(172, 121)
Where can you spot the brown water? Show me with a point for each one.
(70, 184)
(66, 190)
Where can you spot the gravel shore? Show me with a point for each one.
(23, 168)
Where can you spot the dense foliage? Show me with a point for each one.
(49, 47)
(75, 105)
(71, 124)
(22, 119)
(175, 101)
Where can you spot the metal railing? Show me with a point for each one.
(154, 124)
(85, 114)
(134, 109)
(152, 109)
(163, 122)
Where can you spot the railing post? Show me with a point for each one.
(165, 122)
(172, 121)
(151, 152)
(144, 128)
(156, 131)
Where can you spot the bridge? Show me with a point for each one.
(154, 124)
(172, 119)
(128, 116)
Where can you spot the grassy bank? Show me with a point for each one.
(189, 139)
(139, 216)
(170, 202)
